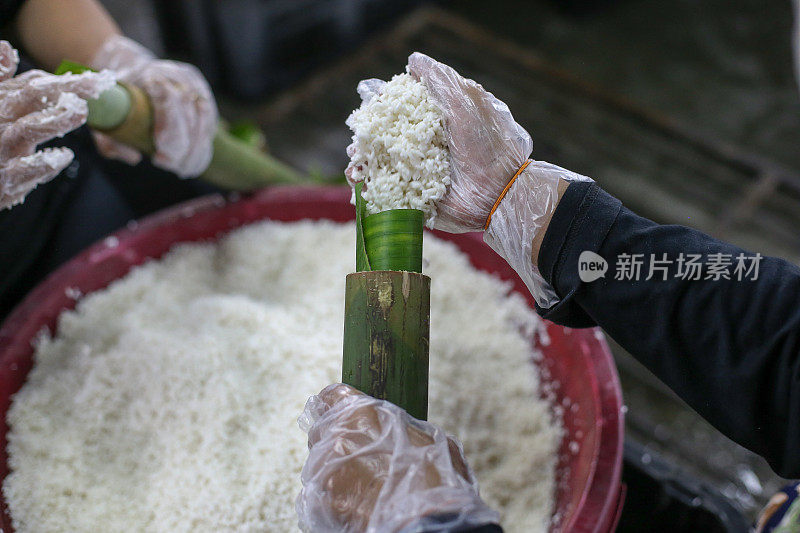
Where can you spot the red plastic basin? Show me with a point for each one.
(579, 362)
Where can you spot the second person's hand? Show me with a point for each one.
(36, 107)
(184, 111)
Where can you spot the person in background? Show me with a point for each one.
(726, 341)
(56, 200)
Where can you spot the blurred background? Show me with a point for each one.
(688, 110)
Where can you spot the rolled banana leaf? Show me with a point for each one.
(393, 240)
(362, 259)
(389, 240)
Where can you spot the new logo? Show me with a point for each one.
(591, 266)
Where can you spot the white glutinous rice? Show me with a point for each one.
(399, 149)
(168, 402)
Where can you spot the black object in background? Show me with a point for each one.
(583, 8)
(90, 199)
(661, 497)
(248, 48)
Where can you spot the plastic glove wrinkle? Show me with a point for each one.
(184, 112)
(373, 468)
(34, 108)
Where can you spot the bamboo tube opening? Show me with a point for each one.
(137, 128)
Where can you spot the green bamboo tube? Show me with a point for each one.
(111, 110)
(132, 126)
(235, 164)
(386, 333)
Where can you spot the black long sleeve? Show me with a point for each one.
(729, 347)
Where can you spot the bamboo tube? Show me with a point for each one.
(238, 165)
(386, 332)
(235, 164)
(136, 127)
(111, 110)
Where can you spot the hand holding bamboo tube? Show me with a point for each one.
(184, 113)
(234, 165)
(125, 113)
(372, 467)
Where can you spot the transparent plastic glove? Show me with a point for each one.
(487, 148)
(373, 468)
(184, 111)
(36, 107)
(368, 88)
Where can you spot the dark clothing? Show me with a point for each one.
(730, 348)
(90, 199)
(8, 10)
(27, 230)
(782, 513)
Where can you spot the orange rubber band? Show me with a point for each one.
(503, 194)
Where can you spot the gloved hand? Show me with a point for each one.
(36, 107)
(373, 468)
(184, 111)
(487, 148)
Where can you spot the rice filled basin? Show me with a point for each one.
(581, 419)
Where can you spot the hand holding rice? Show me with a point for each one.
(436, 141)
